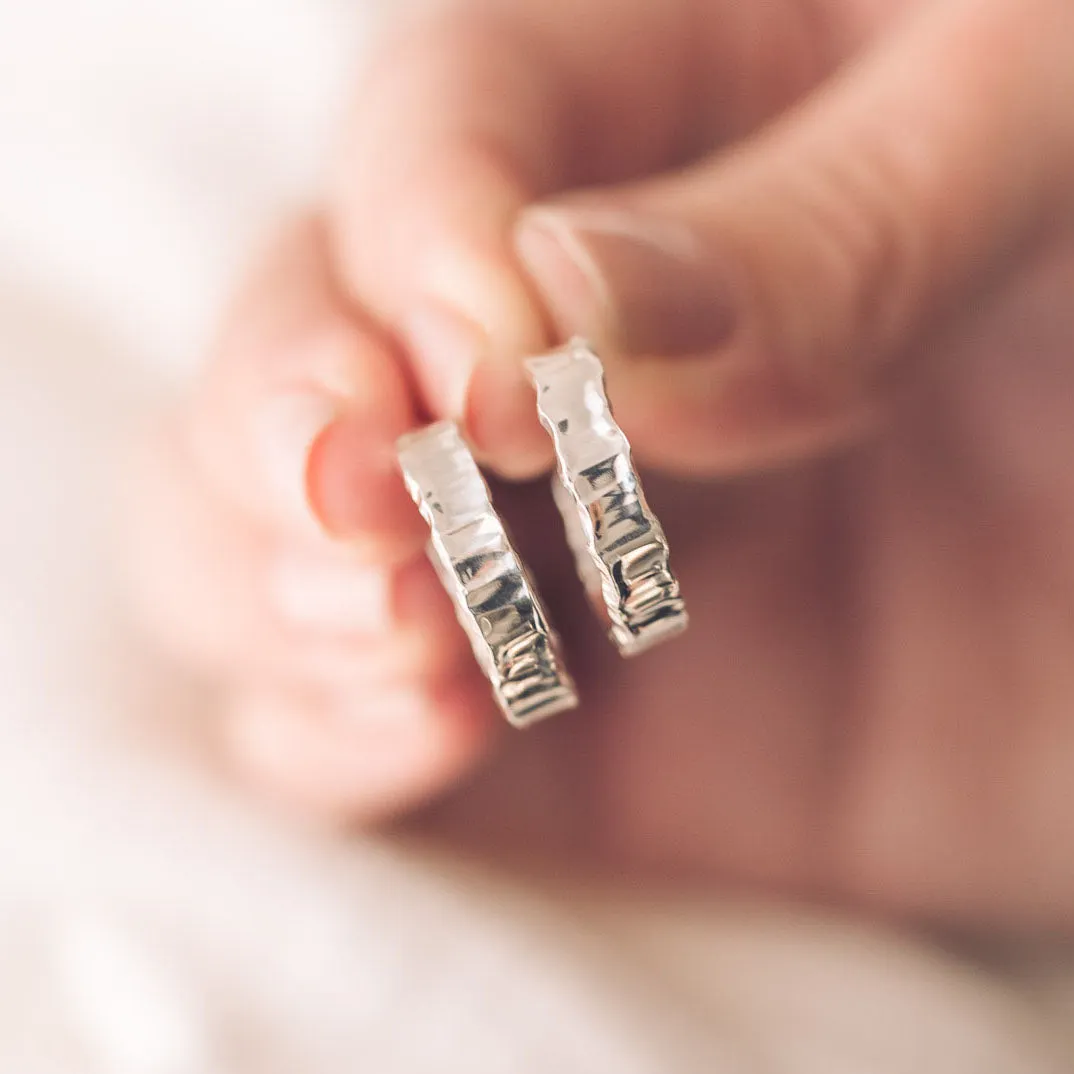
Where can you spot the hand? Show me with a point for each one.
(792, 227)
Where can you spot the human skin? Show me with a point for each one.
(825, 248)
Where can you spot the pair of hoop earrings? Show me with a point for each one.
(620, 549)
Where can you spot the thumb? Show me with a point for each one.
(752, 306)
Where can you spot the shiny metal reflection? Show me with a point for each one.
(619, 545)
(494, 597)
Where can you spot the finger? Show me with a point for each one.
(363, 758)
(789, 275)
(472, 113)
(235, 600)
(298, 410)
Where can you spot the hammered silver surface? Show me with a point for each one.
(619, 546)
(494, 598)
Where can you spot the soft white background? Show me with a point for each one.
(152, 921)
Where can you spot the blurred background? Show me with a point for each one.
(153, 920)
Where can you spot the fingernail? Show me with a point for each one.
(286, 429)
(445, 346)
(335, 597)
(642, 284)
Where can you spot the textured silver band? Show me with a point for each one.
(493, 595)
(619, 546)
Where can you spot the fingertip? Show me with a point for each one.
(355, 489)
(501, 421)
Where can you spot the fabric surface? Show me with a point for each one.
(152, 920)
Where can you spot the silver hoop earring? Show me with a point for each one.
(619, 545)
(494, 597)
